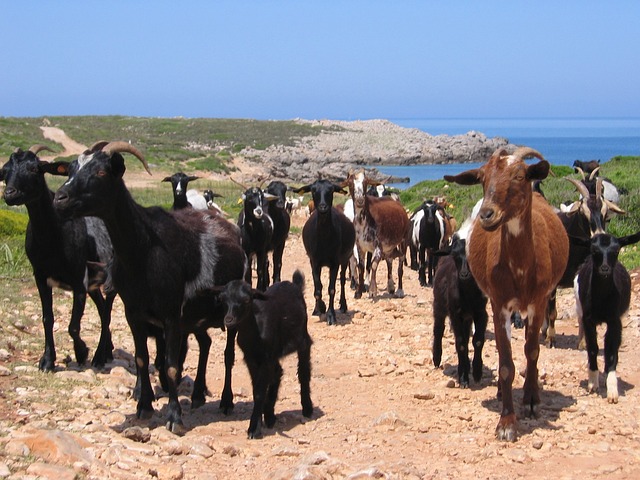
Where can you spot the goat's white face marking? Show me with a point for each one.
(257, 212)
(358, 189)
(179, 188)
(511, 160)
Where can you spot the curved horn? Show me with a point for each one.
(523, 153)
(35, 149)
(594, 172)
(96, 147)
(239, 184)
(581, 187)
(125, 147)
(599, 188)
(581, 172)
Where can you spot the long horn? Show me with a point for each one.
(594, 172)
(581, 187)
(581, 172)
(238, 183)
(522, 153)
(120, 147)
(96, 147)
(35, 149)
(599, 187)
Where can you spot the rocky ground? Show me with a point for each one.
(381, 409)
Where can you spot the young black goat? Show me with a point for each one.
(179, 182)
(328, 238)
(281, 224)
(162, 260)
(59, 251)
(456, 295)
(256, 226)
(270, 326)
(603, 293)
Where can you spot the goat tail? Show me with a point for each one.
(298, 279)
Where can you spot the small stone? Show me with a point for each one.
(451, 384)
(591, 430)
(137, 434)
(4, 371)
(537, 444)
(424, 395)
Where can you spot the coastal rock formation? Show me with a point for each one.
(367, 143)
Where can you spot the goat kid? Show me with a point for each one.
(270, 325)
(603, 292)
(59, 252)
(256, 227)
(281, 224)
(456, 295)
(161, 262)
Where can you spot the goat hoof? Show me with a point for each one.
(46, 365)
(506, 429)
(144, 414)
(307, 411)
(255, 435)
(176, 427)
(82, 353)
(226, 405)
(197, 403)
(269, 420)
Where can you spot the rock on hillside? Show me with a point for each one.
(367, 143)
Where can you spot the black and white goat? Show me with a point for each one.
(256, 227)
(281, 224)
(183, 198)
(270, 326)
(162, 261)
(456, 295)
(59, 251)
(429, 232)
(603, 293)
(328, 238)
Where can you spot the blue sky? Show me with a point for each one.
(320, 59)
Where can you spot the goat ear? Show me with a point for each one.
(166, 179)
(614, 208)
(579, 241)
(192, 178)
(305, 189)
(55, 168)
(339, 189)
(117, 164)
(259, 295)
(470, 177)
(629, 239)
(538, 171)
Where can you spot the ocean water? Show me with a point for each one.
(561, 141)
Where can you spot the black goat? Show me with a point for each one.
(586, 167)
(603, 293)
(270, 326)
(281, 224)
(59, 251)
(583, 219)
(328, 238)
(162, 260)
(456, 295)
(256, 227)
(179, 182)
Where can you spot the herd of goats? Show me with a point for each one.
(184, 270)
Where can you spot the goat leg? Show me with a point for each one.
(226, 400)
(48, 360)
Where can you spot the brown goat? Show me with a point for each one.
(517, 251)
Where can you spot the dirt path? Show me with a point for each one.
(71, 147)
(381, 409)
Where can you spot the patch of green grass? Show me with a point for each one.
(557, 190)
